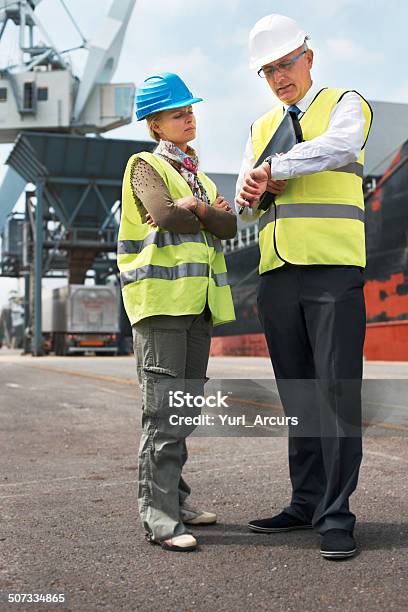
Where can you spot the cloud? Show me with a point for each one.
(345, 49)
(237, 37)
(172, 9)
(195, 65)
(400, 94)
(334, 8)
(341, 61)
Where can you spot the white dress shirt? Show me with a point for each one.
(339, 145)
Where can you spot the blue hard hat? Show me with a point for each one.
(162, 92)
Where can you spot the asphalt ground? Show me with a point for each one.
(68, 516)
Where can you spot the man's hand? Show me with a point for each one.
(219, 202)
(254, 185)
(276, 187)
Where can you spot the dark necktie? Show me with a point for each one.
(294, 111)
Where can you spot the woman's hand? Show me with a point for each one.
(150, 220)
(219, 202)
(189, 202)
(195, 205)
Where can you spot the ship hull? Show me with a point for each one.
(386, 277)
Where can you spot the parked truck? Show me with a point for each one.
(78, 319)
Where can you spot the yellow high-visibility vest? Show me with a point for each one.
(319, 218)
(166, 273)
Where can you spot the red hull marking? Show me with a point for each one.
(383, 342)
(393, 305)
(249, 345)
(386, 341)
(390, 168)
(377, 196)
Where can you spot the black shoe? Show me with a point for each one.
(280, 522)
(338, 544)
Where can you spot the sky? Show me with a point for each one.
(358, 44)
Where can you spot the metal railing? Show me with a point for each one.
(244, 238)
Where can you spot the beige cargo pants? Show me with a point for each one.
(171, 354)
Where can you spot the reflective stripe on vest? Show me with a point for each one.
(172, 273)
(164, 239)
(168, 273)
(315, 211)
(319, 217)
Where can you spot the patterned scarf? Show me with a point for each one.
(186, 164)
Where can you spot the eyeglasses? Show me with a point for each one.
(282, 67)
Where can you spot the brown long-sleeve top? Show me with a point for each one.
(152, 196)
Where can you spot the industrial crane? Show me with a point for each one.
(41, 93)
(70, 222)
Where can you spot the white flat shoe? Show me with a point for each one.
(191, 516)
(182, 543)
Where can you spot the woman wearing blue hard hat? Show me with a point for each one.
(174, 288)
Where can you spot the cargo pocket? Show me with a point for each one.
(165, 404)
(159, 384)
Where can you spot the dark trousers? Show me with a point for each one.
(314, 323)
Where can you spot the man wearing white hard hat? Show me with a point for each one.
(310, 297)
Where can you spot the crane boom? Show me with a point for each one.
(104, 52)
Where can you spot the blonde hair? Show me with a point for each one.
(149, 120)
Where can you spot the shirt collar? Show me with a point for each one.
(306, 101)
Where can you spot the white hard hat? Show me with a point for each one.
(273, 37)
